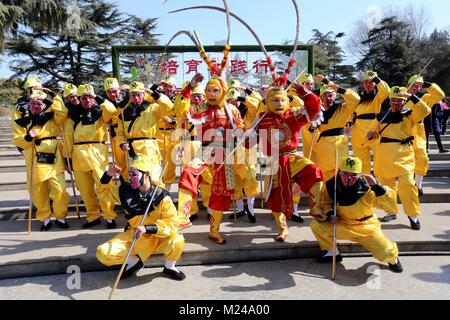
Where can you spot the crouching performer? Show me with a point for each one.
(357, 194)
(158, 234)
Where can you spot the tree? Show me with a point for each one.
(77, 57)
(329, 57)
(50, 15)
(390, 52)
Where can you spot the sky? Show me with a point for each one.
(273, 21)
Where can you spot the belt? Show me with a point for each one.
(137, 139)
(364, 219)
(165, 129)
(332, 133)
(89, 142)
(367, 116)
(389, 140)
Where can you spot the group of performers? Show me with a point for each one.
(216, 130)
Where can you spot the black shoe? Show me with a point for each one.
(443, 151)
(208, 216)
(297, 219)
(397, 268)
(111, 225)
(62, 225)
(239, 214)
(420, 191)
(91, 223)
(193, 217)
(388, 217)
(251, 217)
(329, 259)
(175, 275)
(46, 227)
(414, 225)
(128, 273)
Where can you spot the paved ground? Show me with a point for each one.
(424, 278)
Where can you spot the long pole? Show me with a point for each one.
(69, 166)
(333, 272)
(116, 283)
(30, 209)
(312, 143)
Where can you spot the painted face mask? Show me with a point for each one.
(36, 106)
(328, 99)
(368, 85)
(277, 101)
(113, 94)
(87, 101)
(348, 179)
(396, 105)
(73, 99)
(137, 98)
(169, 90)
(415, 88)
(197, 99)
(136, 178)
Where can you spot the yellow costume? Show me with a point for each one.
(48, 183)
(367, 110)
(395, 154)
(356, 213)
(86, 136)
(331, 130)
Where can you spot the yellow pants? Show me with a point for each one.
(166, 147)
(407, 191)
(367, 233)
(53, 189)
(421, 161)
(114, 251)
(120, 157)
(86, 182)
(245, 182)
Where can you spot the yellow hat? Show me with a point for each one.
(86, 89)
(233, 93)
(32, 82)
(111, 83)
(142, 163)
(395, 91)
(351, 164)
(234, 84)
(325, 89)
(306, 78)
(169, 80)
(136, 86)
(369, 75)
(69, 89)
(415, 78)
(38, 94)
(198, 90)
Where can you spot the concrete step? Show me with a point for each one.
(46, 253)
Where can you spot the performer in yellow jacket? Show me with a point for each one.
(331, 130)
(357, 195)
(36, 127)
(375, 92)
(431, 94)
(138, 127)
(166, 135)
(158, 234)
(190, 145)
(246, 182)
(394, 158)
(120, 99)
(86, 136)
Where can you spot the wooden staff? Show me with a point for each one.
(69, 166)
(30, 209)
(333, 272)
